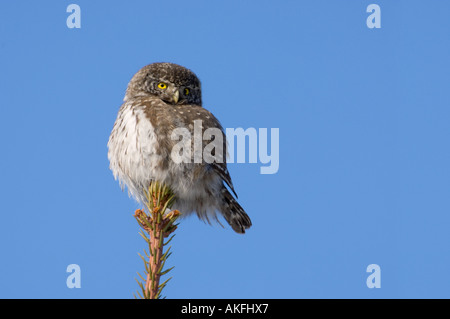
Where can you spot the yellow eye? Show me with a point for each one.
(186, 91)
(162, 85)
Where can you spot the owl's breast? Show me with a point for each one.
(134, 151)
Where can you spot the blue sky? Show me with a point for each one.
(363, 116)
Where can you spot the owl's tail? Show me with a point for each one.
(234, 214)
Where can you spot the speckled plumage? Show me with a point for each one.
(140, 145)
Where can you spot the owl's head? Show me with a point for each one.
(170, 82)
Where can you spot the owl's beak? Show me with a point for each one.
(176, 96)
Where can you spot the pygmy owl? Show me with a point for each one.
(160, 99)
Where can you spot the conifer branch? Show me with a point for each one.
(156, 227)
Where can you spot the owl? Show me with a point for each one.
(160, 99)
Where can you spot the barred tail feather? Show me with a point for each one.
(234, 214)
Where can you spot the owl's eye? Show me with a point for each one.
(186, 91)
(162, 85)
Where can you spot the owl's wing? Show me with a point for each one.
(222, 170)
(210, 121)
